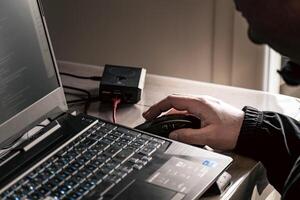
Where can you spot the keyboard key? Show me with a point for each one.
(137, 166)
(126, 167)
(99, 124)
(112, 164)
(146, 158)
(154, 144)
(111, 137)
(61, 152)
(74, 195)
(131, 148)
(133, 160)
(88, 185)
(56, 166)
(47, 173)
(77, 178)
(90, 167)
(49, 185)
(63, 175)
(88, 155)
(71, 183)
(103, 158)
(118, 145)
(146, 137)
(112, 151)
(135, 145)
(43, 191)
(112, 178)
(96, 163)
(65, 160)
(128, 132)
(56, 194)
(101, 146)
(97, 135)
(76, 164)
(35, 195)
(109, 126)
(80, 147)
(119, 173)
(124, 140)
(105, 170)
(81, 190)
(19, 194)
(128, 137)
(158, 140)
(32, 174)
(63, 189)
(147, 151)
(124, 155)
(89, 142)
(56, 180)
(117, 133)
(83, 173)
(140, 141)
(95, 179)
(73, 153)
(70, 169)
(107, 141)
(27, 188)
(142, 162)
(99, 175)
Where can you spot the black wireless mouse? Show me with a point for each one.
(165, 124)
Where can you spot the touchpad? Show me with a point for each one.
(146, 191)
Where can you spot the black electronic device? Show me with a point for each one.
(165, 124)
(123, 82)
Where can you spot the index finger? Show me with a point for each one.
(181, 103)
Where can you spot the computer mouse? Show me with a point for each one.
(165, 124)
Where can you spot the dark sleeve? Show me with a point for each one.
(273, 139)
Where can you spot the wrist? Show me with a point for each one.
(252, 119)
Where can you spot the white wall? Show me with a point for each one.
(203, 40)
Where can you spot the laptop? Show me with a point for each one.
(48, 152)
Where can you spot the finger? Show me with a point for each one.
(191, 136)
(174, 111)
(192, 105)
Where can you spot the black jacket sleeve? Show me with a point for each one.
(273, 139)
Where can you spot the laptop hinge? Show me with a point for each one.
(43, 136)
(29, 140)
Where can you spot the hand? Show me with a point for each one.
(221, 122)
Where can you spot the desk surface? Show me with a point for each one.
(245, 172)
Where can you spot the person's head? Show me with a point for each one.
(274, 22)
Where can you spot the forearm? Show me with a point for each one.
(273, 139)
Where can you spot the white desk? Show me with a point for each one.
(245, 172)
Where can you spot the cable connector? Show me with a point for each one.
(116, 101)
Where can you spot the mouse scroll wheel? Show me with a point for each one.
(174, 125)
(179, 125)
(169, 126)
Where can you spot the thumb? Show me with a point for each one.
(191, 136)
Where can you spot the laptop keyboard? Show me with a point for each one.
(98, 159)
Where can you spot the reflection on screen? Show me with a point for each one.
(26, 69)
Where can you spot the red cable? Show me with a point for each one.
(116, 101)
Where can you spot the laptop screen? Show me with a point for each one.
(27, 71)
